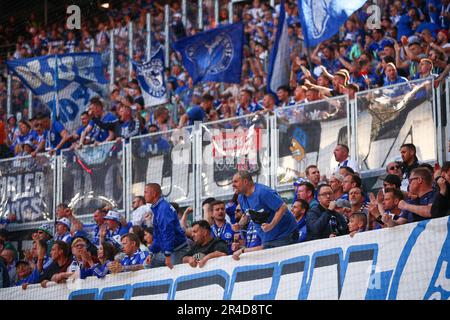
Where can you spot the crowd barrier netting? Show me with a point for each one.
(307, 134)
(275, 148)
(390, 116)
(27, 189)
(400, 263)
(92, 177)
(230, 145)
(164, 158)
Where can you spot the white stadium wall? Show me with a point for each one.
(405, 262)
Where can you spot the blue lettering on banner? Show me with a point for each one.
(331, 274)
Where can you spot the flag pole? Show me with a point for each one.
(56, 116)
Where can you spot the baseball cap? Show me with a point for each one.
(113, 215)
(47, 229)
(65, 222)
(393, 179)
(342, 203)
(29, 143)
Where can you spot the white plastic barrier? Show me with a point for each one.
(406, 262)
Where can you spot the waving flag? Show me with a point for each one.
(65, 82)
(279, 63)
(150, 76)
(214, 55)
(321, 19)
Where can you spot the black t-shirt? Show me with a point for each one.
(198, 252)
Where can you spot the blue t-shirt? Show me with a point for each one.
(251, 236)
(225, 233)
(267, 200)
(196, 113)
(301, 225)
(55, 135)
(98, 133)
(137, 258)
(426, 199)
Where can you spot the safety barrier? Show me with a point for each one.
(404, 262)
(198, 162)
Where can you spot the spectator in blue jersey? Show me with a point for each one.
(123, 128)
(305, 192)
(221, 229)
(25, 135)
(328, 59)
(63, 230)
(275, 224)
(94, 230)
(336, 180)
(92, 129)
(85, 119)
(169, 240)
(283, 96)
(134, 257)
(115, 229)
(37, 257)
(246, 105)
(154, 144)
(323, 220)
(299, 208)
(198, 113)
(206, 247)
(269, 102)
(417, 207)
(106, 254)
(24, 273)
(392, 76)
(58, 137)
(79, 250)
(357, 223)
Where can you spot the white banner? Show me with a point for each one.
(406, 262)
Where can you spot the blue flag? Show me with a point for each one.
(214, 55)
(150, 76)
(321, 19)
(73, 78)
(279, 63)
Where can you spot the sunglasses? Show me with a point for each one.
(394, 167)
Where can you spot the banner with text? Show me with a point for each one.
(405, 262)
(26, 189)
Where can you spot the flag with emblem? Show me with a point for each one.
(214, 55)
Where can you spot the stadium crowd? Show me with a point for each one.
(257, 218)
(412, 43)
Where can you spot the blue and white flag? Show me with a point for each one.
(150, 76)
(79, 78)
(279, 63)
(214, 55)
(321, 19)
